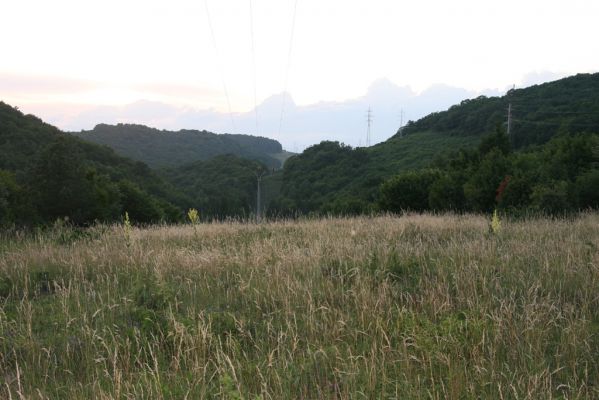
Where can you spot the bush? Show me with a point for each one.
(408, 191)
(587, 189)
(551, 198)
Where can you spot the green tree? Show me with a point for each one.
(552, 198)
(408, 191)
(480, 189)
(498, 140)
(447, 193)
(15, 206)
(59, 184)
(587, 189)
(141, 207)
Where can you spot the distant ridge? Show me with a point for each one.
(162, 148)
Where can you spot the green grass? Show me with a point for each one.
(412, 307)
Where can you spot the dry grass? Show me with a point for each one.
(412, 307)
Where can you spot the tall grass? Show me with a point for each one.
(413, 307)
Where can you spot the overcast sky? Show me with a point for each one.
(63, 56)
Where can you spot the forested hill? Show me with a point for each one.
(538, 112)
(161, 148)
(331, 177)
(46, 174)
(221, 186)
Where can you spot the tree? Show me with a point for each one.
(480, 189)
(14, 203)
(408, 191)
(63, 186)
(59, 183)
(498, 140)
(141, 206)
(587, 189)
(447, 193)
(551, 198)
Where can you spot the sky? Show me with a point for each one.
(74, 62)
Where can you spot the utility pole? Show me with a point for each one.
(259, 176)
(369, 121)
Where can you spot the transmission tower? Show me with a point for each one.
(369, 122)
(401, 123)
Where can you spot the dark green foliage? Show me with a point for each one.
(220, 187)
(550, 161)
(587, 189)
(15, 206)
(140, 206)
(495, 141)
(480, 188)
(517, 193)
(63, 187)
(551, 197)
(538, 112)
(50, 175)
(542, 178)
(347, 206)
(556, 178)
(408, 191)
(321, 175)
(21, 137)
(334, 178)
(160, 148)
(446, 194)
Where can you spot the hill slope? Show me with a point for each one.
(538, 112)
(222, 186)
(50, 167)
(160, 148)
(333, 177)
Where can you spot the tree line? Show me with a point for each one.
(558, 177)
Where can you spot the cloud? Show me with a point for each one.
(538, 77)
(279, 117)
(15, 84)
(177, 90)
(300, 126)
(55, 89)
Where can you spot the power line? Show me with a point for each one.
(220, 66)
(554, 123)
(253, 64)
(286, 81)
(560, 112)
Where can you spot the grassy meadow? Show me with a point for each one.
(431, 307)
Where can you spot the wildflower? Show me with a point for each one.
(127, 229)
(193, 216)
(495, 223)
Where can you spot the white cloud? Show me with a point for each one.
(339, 45)
(301, 126)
